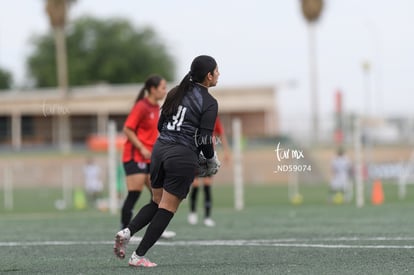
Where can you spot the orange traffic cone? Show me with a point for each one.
(377, 193)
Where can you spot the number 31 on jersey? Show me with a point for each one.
(178, 118)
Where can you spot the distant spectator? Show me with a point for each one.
(93, 182)
(341, 176)
(120, 182)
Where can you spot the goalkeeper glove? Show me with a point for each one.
(208, 167)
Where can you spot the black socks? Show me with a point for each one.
(129, 203)
(158, 224)
(143, 217)
(207, 200)
(193, 198)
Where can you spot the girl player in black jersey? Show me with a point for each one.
(188, 115)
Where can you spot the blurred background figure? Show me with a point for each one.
(341, 178)
(120, 182)
(93, 181)
(219, 137)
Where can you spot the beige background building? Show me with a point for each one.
(44, 117)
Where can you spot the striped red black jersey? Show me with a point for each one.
(143, 120)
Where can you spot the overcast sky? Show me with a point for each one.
(261, 42)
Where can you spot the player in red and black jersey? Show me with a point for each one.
(188, 112)
(141, 130)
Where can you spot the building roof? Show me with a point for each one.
(118, 99)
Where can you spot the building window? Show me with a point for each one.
(5, 128)
(27, 126)
(119, 121)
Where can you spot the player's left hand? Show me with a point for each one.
(208, 167)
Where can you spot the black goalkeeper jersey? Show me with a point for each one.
(193, 123)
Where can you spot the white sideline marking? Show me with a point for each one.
(293, 242)
(339, 239)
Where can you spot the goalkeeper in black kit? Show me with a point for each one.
(188, 115)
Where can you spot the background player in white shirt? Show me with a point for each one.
(341, 168)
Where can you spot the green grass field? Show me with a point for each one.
(270, 236)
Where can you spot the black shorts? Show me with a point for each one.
(131, 167)
(173, 167)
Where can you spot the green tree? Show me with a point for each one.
(5, 79)
(102, 50)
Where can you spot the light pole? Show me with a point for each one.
(366, 68)
(57, 12)
(367, 121)
(311, 10)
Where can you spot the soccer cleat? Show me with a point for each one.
(121, 240)
(168, 234)
(209, 222)
(136, 260)
(192, 218)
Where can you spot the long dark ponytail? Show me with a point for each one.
(200, 67)
(152, 81)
